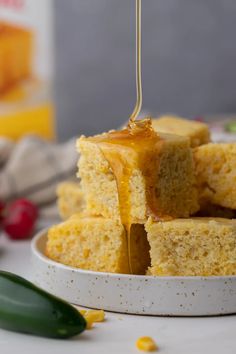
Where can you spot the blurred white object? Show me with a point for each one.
(32, 168)
(6, 147)
(220, 129)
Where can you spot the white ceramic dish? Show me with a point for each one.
(146, 295)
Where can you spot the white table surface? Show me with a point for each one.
(210, 335)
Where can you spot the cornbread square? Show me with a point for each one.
(216, 173)
(168, 163)
(198, 132)
(70, 199)
(15, 54)
(98, 244)
(189, 247)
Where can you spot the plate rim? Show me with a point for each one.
(37, 253)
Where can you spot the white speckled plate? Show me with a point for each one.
(146, 295)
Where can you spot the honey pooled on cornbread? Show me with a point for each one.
(197, 132)
(98, 244)
(192, 247)
(130, 174)
(215, 165)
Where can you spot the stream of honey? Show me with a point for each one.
(138, 137)
(139, 92)
(122, 169)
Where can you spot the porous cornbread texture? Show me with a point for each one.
(139, 178)
(198, 132)
(197, 246)
(216, 173)
(15, 54)
(70, 199)
(98, 244)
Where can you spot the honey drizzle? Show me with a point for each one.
(137, 136)
(122, 172)
(136, 111)
(139, 97)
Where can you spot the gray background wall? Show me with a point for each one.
(189, 60)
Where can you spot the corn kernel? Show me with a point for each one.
(82, 312)
(89, 325)
(91, 316)
(86, 252)
(146, 344)
(95, 316)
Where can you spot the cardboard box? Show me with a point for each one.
(26, 68)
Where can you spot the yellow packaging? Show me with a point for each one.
(26, 68)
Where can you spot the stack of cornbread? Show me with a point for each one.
(155, 199)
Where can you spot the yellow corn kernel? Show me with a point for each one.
(94, 316)
(91, 316)
(82, 312)
(146, 344)
(89, 325)
(86, 252)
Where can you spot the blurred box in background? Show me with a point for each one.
(26, 68)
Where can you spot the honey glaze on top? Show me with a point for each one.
(140, 144)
